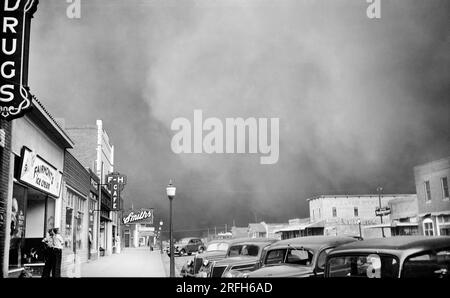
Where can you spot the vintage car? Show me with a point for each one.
(188, 246)
(392, 257)
(241, 257)
(216, 250)
(298, 257)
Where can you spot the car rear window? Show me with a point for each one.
(430, 264)
(364, 266)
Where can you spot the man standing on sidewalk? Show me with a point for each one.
(48, 241)
(58, 244)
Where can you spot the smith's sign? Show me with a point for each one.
(143, 215)
(15, 98)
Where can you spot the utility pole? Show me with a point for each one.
(215, 232)
(379, 190)
(226, 228)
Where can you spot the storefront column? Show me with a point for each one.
(108, 235)
(8, 215)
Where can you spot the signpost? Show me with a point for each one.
(383, 211)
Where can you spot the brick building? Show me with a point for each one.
(343, 214)
(75, 216)
(95, 151)
(431, 181)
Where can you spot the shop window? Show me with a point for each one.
(68, 234)
(428, 227)
(334, 212)
(427, 191)
(444, 183)
(355, 211)
(17, 226)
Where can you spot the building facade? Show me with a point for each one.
(403, 217)
(75, 216)
(433, 202)
(346, 214)
(94, 150)
(34, 192)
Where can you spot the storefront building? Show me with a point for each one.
(75, 219)
(34, 197)
(433, 197)
(5, 158)
(94, 209)
(105, 239)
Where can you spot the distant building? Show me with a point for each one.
(239, 232)
(300, 227)
(343, 214)
(433, 197)
(256, 230)
(403, 217)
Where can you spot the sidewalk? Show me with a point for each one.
(131, 262)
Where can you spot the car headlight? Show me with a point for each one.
(205, 262)
(233, 273)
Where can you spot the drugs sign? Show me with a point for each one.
(15, 98)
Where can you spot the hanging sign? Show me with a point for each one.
(143, 215)
(15, 98)
(116, 182)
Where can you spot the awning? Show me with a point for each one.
(301, 227)
(378, 226)
(392, 225)
(437, 213)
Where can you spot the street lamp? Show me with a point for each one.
(170, 190)
(160, 236)
(379, 190)
(359, 224)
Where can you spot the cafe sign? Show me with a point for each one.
(143, 215)
(116, 182)
(38, 173)
(15, 98)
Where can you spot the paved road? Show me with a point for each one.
(131, 262)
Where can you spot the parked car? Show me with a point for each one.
(241, 257)
(216, 250)
(188, 246)
(392, 257)
(298, 257)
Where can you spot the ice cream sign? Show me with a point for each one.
(38, 173)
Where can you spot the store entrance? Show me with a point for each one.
(32, 213)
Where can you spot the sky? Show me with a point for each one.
(360, 101)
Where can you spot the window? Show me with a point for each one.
(427, 264)
(427, 191)
(355, 211)
(334, 212)
(364, 266)
(444, 183)
(428, 227)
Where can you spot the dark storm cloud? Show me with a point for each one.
(360, 101)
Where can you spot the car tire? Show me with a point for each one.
(189, 253)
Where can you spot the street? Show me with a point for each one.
(131, 262)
